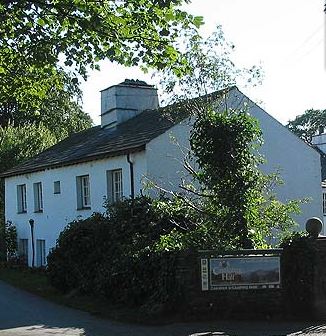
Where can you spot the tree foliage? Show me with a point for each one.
(112, 254)
(234, 198)
(58, 110)
(209, 68)
(20, 143)
(41, 37)
(47, 45)
(10, 239)
(223, 144)
(230, 200)
(308, 124)
(84, 32)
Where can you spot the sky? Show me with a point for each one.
(287, 38)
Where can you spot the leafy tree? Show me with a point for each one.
(209, 68)
(38, 36)
(84, 32)
(230, 200)
(58, 110)
(234, 199)
(20, 143)
(228, 165)
(308, 124)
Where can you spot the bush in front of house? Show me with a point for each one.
(10, 238)
(71, 264)
(115, 255)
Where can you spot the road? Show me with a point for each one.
(23, 314)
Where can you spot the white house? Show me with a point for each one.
(134, 143)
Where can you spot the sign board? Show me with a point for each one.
(245, 272)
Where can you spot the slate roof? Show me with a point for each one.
(97, 143)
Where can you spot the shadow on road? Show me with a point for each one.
(22, 313)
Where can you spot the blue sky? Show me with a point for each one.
(287, 38)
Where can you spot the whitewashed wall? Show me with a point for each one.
(165, 158)
(60, 209)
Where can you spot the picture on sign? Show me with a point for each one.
(244, 272)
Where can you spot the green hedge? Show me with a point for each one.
(113, 255)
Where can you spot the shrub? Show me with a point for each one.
(71, 264)
(10, 233)
(113, 254)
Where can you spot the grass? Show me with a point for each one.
(36, 282)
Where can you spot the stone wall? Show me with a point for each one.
(319, 279)
(302, 293)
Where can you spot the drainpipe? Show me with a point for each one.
(31, 223)
(132, 182)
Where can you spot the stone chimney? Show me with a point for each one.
(125, 100)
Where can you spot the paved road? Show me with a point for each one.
(23, 314)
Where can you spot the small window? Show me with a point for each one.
(115, 186)
(83, 192)
(56, 187)
(23, 250)
(21, 198)
(38, 197)
(40, 253)
(324, 203)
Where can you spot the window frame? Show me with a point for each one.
(40, 253)
(21, 198)
(117, 185)
(23, 249)
(114, 185)
(83, 192)
(38, 197)
(56, 187)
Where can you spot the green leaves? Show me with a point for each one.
(10, 238)
(204, 66)
(308, 124)
(222, 143)
(57, 27)
(20, 143)
(40, 22)
(112, 254)
(81, 33)
(198, 21)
